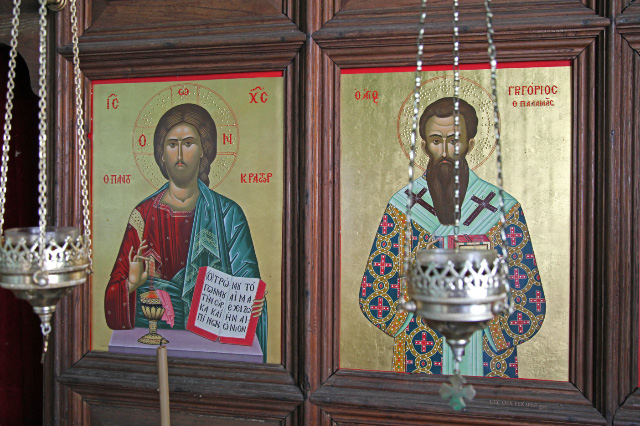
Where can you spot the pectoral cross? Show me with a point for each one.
(482, 204)
(417, 198)
(457, 392)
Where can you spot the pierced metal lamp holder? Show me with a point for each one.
(41, 264)
(457, 291)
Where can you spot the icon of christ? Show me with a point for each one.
(180, 228)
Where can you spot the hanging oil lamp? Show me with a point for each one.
(41, 264)
(456, 291)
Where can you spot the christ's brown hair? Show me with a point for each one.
(443, 108)
(199, 118)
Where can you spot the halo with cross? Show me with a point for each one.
(440, 87)
(228, 142)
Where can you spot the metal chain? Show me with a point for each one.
(45, 328)
(456, 120)
(414, 128)
(496, 128)
(42, 116)
(80, 128)
(8, 115)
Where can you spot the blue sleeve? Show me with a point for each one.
(526, 287)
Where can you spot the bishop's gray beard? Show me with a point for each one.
(440, 180)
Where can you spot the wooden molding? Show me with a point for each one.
(178, 39)
(28, 35)
(539, 30)
(628, 25)
(93, 387)
(629, 413)
(533, 31)
(256, 45)
(71, 336)
(256, 391)
(322, 215)
(617, 222)
(604, 230)
(379, 398)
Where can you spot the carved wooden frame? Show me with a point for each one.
(625, 43)
(309, 388)
(603, 210)
(97, 387)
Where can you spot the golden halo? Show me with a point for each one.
(442, 87)
(228, 142)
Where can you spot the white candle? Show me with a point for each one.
(163, 385)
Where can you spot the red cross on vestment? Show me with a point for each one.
(531, 256)
(514, 364)
(520, 322)
(513, 235)
(385, 224)
(380, 307)
(516, 277)
(397, 287)
(364, 285)
(383, 265)
(538, 301)
(423, 342)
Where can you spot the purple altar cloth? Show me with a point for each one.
(184, 344)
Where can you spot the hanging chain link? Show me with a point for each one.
(42, 138)
(456, 121)
(80, 130)
(496, 128)
(456, 141)
(456, 117)
(8, 115)
(414, 128)
(45, 328)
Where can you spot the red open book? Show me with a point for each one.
(221, 307)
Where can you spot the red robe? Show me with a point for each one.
(167, 234)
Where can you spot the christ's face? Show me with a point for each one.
(440, 145)
(182, 153)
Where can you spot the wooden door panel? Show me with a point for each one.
(131, 15)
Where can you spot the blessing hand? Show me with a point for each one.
(138, 267)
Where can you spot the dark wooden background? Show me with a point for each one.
(311, 41)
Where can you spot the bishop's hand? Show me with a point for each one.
(138, 267)
(431, 243)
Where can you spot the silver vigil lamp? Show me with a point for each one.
(457, 292)
(43, 281)
(42, 264)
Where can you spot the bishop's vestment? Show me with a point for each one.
(491, 352)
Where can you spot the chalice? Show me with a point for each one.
(152, 310)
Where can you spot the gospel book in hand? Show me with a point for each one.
(221, 306)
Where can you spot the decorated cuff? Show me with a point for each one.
(497, 336)
(398, 323)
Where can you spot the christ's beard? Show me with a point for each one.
(440, 180)
(183, 177)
